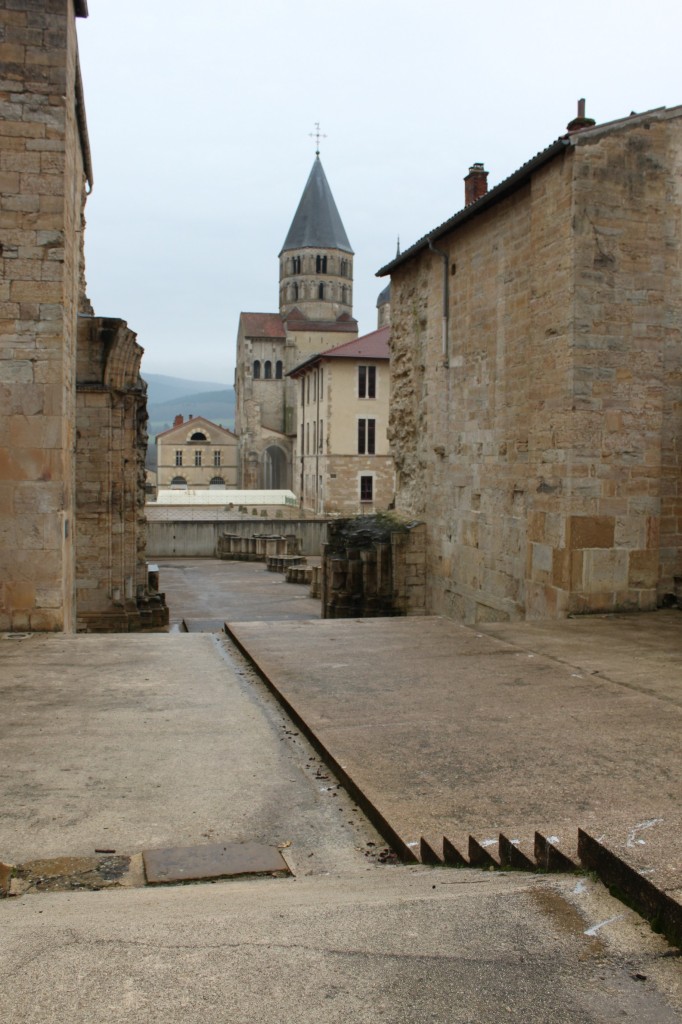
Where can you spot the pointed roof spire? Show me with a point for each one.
(316, 223)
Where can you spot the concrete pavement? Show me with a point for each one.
(134, 741)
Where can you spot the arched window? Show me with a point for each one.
(178, 481)
(296, 265)
(294, 290)
(267, 369)
(256, 369)
(217, 481)
(198, 435)
(278, 369)
(320, 291)
(344, 294)
(321, 264)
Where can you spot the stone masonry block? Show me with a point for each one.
(590, 531)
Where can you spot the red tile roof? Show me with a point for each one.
(263, 325)
(369, 346)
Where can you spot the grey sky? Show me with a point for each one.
(200, 114)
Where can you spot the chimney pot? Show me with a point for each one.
(475, 183)
(580, 122)
(179, 420)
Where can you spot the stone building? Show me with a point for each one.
(342, 460)
(72, 407)
(315, 312)
(536, 355)
(196, 453)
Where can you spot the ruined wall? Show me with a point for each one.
(43, 158)
(545, 456)
(111, 444)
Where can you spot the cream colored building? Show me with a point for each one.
(196, 453)
(342, 461)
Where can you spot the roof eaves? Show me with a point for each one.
(489, 199)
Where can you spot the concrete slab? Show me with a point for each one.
(125, 743)
(398, 944)
(450, 731)
(212, 860)
(211, 589)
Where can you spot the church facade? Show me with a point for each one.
(315, 314)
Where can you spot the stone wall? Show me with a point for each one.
(544, 451)
(111, 443)
(373, 566)
(44, 163)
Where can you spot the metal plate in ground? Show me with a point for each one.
(214, 860)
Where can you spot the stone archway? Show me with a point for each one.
(274, 469)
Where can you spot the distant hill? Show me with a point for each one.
(161, 388)
(217, 406)
(168, 396)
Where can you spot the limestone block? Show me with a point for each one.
(590, 531)
(605, 569)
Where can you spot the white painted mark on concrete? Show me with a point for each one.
(576, 675)
(633, 839)
(415, 843)
(553, 839)
(602, 924)
(580, 887)
(488, 842)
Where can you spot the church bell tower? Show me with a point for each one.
(316, 260)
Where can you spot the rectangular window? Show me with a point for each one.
(307, 439)
(366, 488)
(178, 458)
(197, 458)
(319, 436)
(367, 381)
(367, 437)
(216, 458)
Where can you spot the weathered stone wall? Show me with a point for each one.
(43, 162)
(373, 566)
(111, 444)
(544, 452)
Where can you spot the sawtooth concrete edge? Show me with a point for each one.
(625, 883)
(377, 819)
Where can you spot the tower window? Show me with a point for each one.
(320, 264)
(320, 291)
(267, 370)
(294, 290)
(256, 369)
(345, 266)
(296, 265)
(278, 369)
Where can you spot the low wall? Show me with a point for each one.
(200, 540)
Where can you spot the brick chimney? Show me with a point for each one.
(580, 122)
(179, 420)
(475, 183)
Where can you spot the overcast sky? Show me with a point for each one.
(200, 117)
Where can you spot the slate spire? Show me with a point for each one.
(316, 223)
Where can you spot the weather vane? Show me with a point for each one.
(317, 135)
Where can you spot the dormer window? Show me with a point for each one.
(198, 436)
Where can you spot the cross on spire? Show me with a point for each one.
(317, 135)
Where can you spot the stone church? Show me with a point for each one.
(315, 314)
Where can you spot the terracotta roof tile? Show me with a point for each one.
(263, 325)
